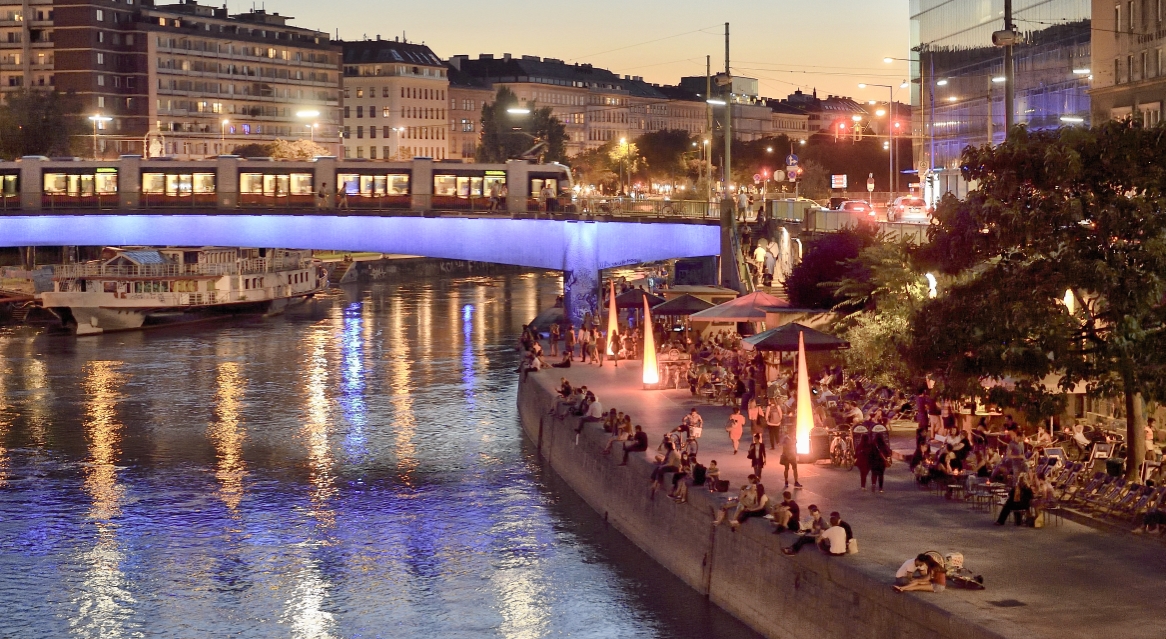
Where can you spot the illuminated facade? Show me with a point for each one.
(186, 80)
(956, 100)
(1130, 53)
(396, 101)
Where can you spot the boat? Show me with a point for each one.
(138, 287)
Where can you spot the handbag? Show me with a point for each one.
(852, 546)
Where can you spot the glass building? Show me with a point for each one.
(957, 73)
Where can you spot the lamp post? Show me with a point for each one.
(890, 133)
(310, 115)
(623, 155)
(928, 119)
(223, 134)
(98, 122)
(397, 147)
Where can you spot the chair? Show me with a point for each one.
(1108, 494)
(1076, 493)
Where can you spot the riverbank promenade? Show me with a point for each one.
(1063, 581)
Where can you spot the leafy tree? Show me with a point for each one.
(815, 181)
(594, 167)
(42, 123)
(829, 259)
(295, 150)
(857, 159)
(663, 153)
(1059, 260)
(884, 289)
(507, 136)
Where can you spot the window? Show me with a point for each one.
(1116, 19)
(360, 112)
(385, 112)
(178, 184)
(385, 90)
(1130, 16)
(130, 39)
(1117, 71)
(101, 36)
(100, 58)
(347, 112)
(104, 181)
(372, 112)
(359, 150)
(100, 80)
(360, 92)
(372, 132)
(100, 102)
(372, 153)
(359, 133)
(1145, 67)
(100, 15)
(1129, 68)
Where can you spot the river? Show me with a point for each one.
(352, 468)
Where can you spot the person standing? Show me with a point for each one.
(879, 455)
(773, 419)
(584, 348)
(789, 457)
(757, 455)
(861, 436)
(322, 196)
(554, 336)
(735, 428)
(569, 342)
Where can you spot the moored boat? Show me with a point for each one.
(138, 287)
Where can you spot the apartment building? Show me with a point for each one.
(396, 101)
(595, 105)
(1129, 47)
(26, 44)
(183, 80)
(467, 95)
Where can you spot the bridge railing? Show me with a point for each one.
(638, 207)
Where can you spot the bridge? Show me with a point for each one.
(414, 208)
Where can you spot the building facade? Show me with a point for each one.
(1129, 48)
(396, 97)
(467, 96)
(183, 80)
(957, 89)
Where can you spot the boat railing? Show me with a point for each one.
(239, 267)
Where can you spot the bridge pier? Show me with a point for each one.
(580, 271)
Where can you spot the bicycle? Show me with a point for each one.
(842, 449)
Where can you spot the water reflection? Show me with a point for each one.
(104, 600)
(352, 468)
(227, 435)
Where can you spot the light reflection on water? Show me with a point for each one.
(351, 469)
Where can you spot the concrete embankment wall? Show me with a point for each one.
(801, 597)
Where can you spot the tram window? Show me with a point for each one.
(73, 184)
(9, 186)
(445, 185)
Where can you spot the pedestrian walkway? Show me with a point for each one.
(1061, 581)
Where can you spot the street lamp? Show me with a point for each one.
(223, 133)
(623, 144)
(98, 122)
(397, 147)
(311, 115)
(890, 113)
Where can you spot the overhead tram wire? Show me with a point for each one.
(640, 44)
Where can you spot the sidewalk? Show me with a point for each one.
(1060, 581)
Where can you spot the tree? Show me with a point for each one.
(815, 181)
(594, 167)
(829, 259)
(295, 150)
(663, 153)
(507, 135)
(42, 123)
(1059, 266)
(883, 289)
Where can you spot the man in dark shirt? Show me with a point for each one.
(638, 444)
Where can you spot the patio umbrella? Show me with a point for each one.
(683, 305)
(785, 339)
(634, 298)
(747, 308)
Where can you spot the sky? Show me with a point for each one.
(831, 45)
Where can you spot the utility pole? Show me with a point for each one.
(728, 169)
(706, 143)
(1009, 74)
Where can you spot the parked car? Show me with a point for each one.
(858, 207)
(908, 209)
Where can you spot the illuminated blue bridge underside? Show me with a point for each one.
(580, 249)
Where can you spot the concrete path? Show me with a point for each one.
(1060, 581)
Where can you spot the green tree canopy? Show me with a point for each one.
(829, 259)
(42, 123)
(663, 153)
(507, 136)
(1058, 259)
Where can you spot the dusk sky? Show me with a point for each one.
(829, 44)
